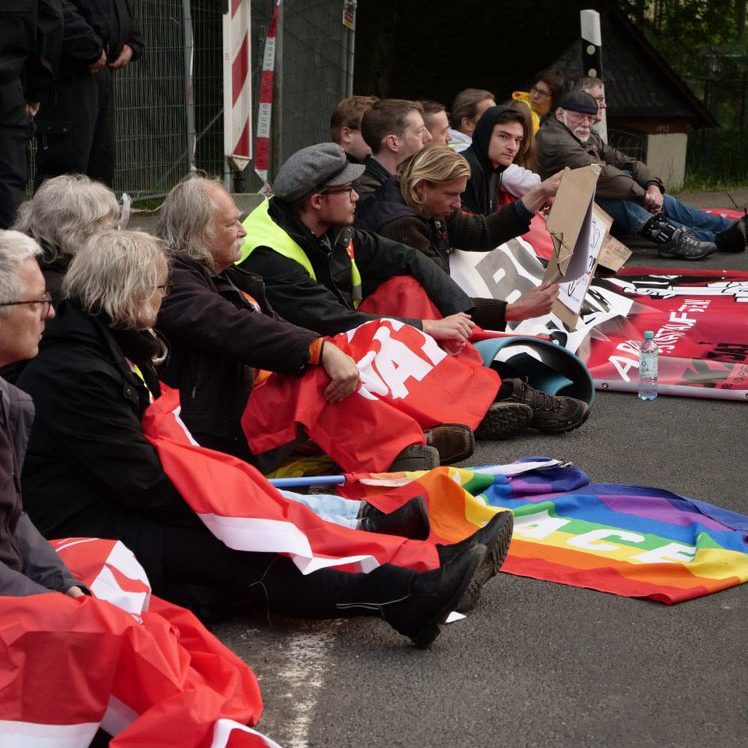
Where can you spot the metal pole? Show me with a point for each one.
(277, 126)
(592, 57)
(351, 36)
(189, 100)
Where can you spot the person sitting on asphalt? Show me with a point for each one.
(498, 139)
(628, 191)
(394, 130)
(28, 564)
(422, 209)
(543, 96)
(345, 127)
(436, 119)
(90, 471)
(224, 334)
(467, 109)
(317, 267)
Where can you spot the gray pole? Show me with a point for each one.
(592, 56)
(277, 125)
(189, 100)
(351, 38)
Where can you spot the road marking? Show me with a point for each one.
(302, 678)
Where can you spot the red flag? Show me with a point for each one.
(247, 513)
(157, 677)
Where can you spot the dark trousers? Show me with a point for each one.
(14, 137)
(201, 573)
(75, 127)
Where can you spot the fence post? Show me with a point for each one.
(277, 125)
(189, 99)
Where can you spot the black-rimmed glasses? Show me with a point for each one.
(46, 304)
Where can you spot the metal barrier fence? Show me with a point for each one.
(313, 61)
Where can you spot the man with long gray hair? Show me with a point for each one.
(28, 564)
(225, 336)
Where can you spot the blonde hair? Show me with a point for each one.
(64, 213)
(436, 163)
(117, 272)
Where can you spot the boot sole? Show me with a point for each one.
(491, 564)
(504, 422)
(425, 637)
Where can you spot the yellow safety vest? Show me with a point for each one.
(263, 231)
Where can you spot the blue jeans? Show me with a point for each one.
(629, 217)
(329, 507)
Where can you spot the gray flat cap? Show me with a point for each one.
(312, 169)
(579, 101)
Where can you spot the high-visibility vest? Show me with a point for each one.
(263, 231)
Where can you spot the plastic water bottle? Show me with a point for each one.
(648, 351)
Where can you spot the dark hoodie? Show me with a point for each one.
(485, 181)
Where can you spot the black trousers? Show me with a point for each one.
(14, 137)
(203, 574)
(75, 127)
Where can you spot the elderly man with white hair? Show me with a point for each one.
(28, 564)
(225, 336)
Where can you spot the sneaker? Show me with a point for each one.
(685, 246)
(496, 536)
(453, 441)
(433, 596)
(411, 520)
(415, 457)
(550, 414)
(504, 420)
(734, 238)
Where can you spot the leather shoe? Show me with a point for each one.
(411, 520)
(453, 441)
(415, 457)
(433, 596)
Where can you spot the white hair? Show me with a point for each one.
(117, 273)
(15, 248)
(64, 213)
(185, 222)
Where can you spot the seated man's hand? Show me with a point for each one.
(653, 199)
(343, 373)
(456, 329)
(542, 195)
(94, 67)
(123, 59)
(75, 592)
(534, 303)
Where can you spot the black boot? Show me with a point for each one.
(411, 520)
(433, 596)
(496, 536)
(673, 241)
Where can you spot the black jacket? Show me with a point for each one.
(326, 304)
(28, 564)
(485, 181)
(387, 214)
(374, 176)
(215, 336)
(89, 470)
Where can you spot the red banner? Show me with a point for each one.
(408, 383)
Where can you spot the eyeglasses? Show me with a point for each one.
(581, 116)
(46, 304)
(599, 99)
(539, 92)
(338, 190)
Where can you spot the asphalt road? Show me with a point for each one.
(540, 664)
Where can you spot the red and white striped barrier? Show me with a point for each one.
(265, 108)
(237, 87)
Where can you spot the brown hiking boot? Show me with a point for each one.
(550, 414)
(453, 441)
(503, 420)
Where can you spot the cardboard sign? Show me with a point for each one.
(579, 229)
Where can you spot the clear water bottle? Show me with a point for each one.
(648, 351)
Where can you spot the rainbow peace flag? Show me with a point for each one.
(626, 540)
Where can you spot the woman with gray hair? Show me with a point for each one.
(91, 472)
(61, 216)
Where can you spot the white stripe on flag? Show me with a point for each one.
(224, 728)
(32, 734)
(118, 716)
(276, 536)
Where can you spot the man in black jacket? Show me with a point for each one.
(30, 34)
(28, 564)
(75, 125)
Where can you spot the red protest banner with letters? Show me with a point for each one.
(408, 383)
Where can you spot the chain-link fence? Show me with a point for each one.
(313, 61)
